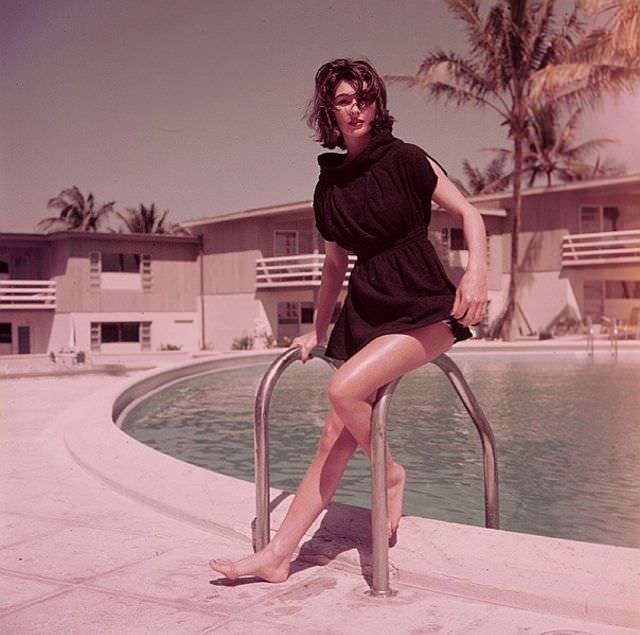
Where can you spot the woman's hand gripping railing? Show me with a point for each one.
(380, 542)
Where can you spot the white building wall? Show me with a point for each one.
(178, 329)
(39, 323)
(231, 315)
(542, 296)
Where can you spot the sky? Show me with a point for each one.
(198, 105)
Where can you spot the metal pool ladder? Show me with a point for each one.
(379, 541)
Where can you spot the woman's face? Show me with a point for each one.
(355, 119)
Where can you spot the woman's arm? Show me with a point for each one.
(470, 304)
(334, 269)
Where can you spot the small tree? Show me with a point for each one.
(509, 48)
(75, 212)
(551, 151)
(490, 180)
(147, 220)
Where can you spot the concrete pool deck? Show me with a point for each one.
(101, 534)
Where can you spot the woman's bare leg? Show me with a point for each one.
(351, 392)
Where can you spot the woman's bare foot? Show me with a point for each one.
(395, 493)
(263, 564)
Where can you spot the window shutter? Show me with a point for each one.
(95, 336)
(146, 272)
(145, 336)
(94, 270)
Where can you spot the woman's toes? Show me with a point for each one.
(226, 567)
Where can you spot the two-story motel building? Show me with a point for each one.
(258, 272)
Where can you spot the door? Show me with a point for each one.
(24, 340)
(593, 304)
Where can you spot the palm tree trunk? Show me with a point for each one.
(502, 326)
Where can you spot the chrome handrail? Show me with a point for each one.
(379, 539)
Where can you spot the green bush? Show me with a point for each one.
(170, 347)
(242, 343)
(269, 340)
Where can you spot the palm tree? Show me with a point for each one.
(490, 180)
(514, 42)
(551, 151)
(607, 61)
(146, 220)
(75, 212)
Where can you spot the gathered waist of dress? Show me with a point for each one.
(417, 234)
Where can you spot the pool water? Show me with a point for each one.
(567, 430)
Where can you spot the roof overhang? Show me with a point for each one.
(301, 206)
(105, 236)
(628, 180)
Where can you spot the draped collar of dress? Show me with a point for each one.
(341, 167)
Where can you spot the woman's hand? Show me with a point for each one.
(470, 305)
(308, 341)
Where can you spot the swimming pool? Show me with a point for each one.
(567, 429)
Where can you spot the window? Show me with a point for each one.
(5, 332)
(593, 299)
(285, 243)
(292, 242)
(305, 242)
(120, 263)
(306, 313)
(453, 238)
(457, 240)
(590, 220)
(595, 219)
(4, 266)
(610, 217)
(287, 313)
(119, 332)
(622, 289)
(21, 268)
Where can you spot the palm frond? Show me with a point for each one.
(454, 69)
(587, 147)
(582, 84)
(47, 224)
(537, 48)
(481, 42)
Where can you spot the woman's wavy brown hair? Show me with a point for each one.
(320, 112)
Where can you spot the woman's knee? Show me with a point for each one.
(346, 391)
(341, 392)
(332, 434)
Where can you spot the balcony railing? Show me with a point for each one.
(603, 248)
(293, 271)
(27, 294)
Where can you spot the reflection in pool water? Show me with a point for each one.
(567, 431)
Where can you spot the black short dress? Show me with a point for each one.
(378, 205)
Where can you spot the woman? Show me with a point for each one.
(400, 311)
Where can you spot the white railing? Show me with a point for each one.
(27, 294)
(293, 271)
(603, 248)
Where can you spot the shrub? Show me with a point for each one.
(269, 340)
(242, 343)
(170, 347)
